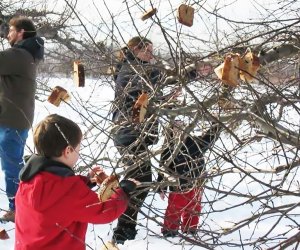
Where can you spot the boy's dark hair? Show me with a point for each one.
(25, 23)
(54, 133)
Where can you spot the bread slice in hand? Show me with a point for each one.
(108, 187)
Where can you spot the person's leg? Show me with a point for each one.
(12, 143)
(173, 214)
(190, 216)
(126, 226)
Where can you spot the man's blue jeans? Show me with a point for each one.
(12, 143)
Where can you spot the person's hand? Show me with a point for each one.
(129, 185)
(137, 183)
(97, 174)
(162, 195)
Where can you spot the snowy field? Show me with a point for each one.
(99, 98)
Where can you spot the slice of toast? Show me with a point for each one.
(249, 65)
(108, 187)
(57, 95)
(148, 14)
(228, 71)
(79, 77)
(140, 108)
(110, 245)
(3, 234)
(185, 15)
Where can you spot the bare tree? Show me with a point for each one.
(251, 192)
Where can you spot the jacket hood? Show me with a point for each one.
(34, 45)
(36, 164)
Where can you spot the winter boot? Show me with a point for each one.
(122, 234)
(191, 231)
(169, 233)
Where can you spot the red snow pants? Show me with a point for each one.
(185, 205)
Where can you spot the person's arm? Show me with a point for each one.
(161, 190)
(210, 136)
(122, 78)
(86, 207)
(163, 159)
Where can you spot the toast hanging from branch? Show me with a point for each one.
(3, 234)
(236, 67)
(79, 76)
(185, 15)
(57, 95)
(249, 65)
(228, 71)
(140, 108)
(149, 14)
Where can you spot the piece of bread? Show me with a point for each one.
(3, 234)
(110, 245)
(79, 77)
(185, 15)
(140, 108)
(149, 14)
(108, 187)
(249, 65)
(57, 95)
(100, 177)
(228, 71)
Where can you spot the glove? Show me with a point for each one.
(127, 186)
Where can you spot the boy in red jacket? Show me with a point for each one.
(53, 205)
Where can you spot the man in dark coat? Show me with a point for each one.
(17, 94)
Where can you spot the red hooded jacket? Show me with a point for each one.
(53, 209)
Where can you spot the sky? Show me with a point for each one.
(100, 17)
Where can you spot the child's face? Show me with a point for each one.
(145, 53)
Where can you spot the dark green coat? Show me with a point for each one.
(17, 82)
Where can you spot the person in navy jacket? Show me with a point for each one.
(135, 74)
(54, 206)
(184, 201)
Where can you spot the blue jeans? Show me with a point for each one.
(12, 143)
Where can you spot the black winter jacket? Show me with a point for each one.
(132, 78)
(189, 163)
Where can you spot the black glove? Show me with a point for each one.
(127, 186)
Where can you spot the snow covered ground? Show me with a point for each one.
(98, 98)
(97, 234)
